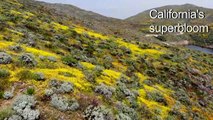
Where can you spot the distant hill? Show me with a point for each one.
(206, 39)
(144, 17)
(94, 21)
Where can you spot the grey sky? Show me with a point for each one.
(126, 8)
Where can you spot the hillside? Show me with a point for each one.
(52, 68)
(92, 20)
(199, 39)
(144, 17)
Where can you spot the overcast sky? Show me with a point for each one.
(126, 8)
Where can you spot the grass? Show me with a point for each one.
(69, 60)
(30, 91)
(25, 75)
(4, 73)
(5, 113)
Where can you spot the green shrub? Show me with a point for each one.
(4, 73)
(1, 94)
(66, 74)
(30, 91)
(69, 60)
(5, 113)
(25, 75)
(156, 96)
(39, 76)
(4, 83)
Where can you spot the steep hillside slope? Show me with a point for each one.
(51, 68)
(92, 20)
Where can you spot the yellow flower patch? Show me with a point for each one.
(10, 23)
(4, 44)
(58, 26)
(119, 66)
(88, 65)
(149, 88)
(39, 52)
(141, 77)
(1, 37)
(109, 77)
(90, 33)
(15, 32)
(111, 73)
(78, 79)
(162, 89)
(13, 12)
(137, 51)
(28, 15)
(152, 104)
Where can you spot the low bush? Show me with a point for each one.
(61, 87)
(28, 59)
(156, 96)
(182, 96)
(4, 73)
(5, 58)
(66, 74)
(52, 59)
(16, 48)
(25, 75)
(69, 60)
(104, 90)
(4, 82)
(63, 104)
(98, 113)
(39, 76)
(30, 91)
(5, 113)
(1, 94)
(8, 95)
(127, 111)
(24, 106)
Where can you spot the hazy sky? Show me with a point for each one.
(126, 8)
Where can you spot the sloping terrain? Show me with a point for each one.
(203, 39)
(144, 16)
(51, 68)
(91, 20)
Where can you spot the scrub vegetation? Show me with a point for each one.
(55, 69)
